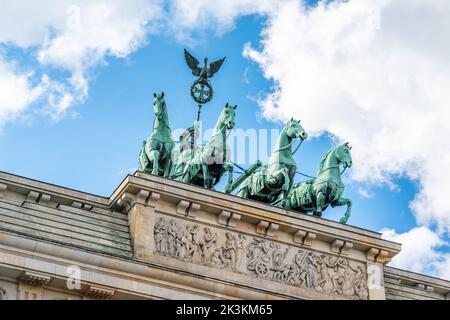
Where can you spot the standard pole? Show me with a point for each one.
(198, 112)
(193, 133)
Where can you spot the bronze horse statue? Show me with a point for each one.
(275, 178)
(316, 194)
(210, 162)
(156, 151)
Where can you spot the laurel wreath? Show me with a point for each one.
(209, 93)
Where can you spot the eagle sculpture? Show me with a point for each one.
(204, 72)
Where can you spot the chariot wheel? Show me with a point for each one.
(262, 269)
(201, 91)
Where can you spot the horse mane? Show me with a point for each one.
(322, 162)
(165, 120)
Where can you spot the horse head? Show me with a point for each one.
(335, 157)
(295, 130)
(343, 155)
(159, 106)
(227, 116)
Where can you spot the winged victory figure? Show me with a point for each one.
(204, 72)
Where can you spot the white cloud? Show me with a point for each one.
(187, 16)
(375, 73)
(16, 91)
(59, 98)
(364, 192)
(419, 252)
(74, 36)
(94, 30)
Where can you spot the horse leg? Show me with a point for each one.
(343, 202)
(286, 188)
(154, 157)
(185, 177)
(244, 193)
(206, 178)
(287, 203)
(167, 156)
(143, 159)
(168, 168)
(320, 202)
(283, 201)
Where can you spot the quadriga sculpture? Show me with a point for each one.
(209, 163)
(316, 194)
(155, 155)
(275, 178)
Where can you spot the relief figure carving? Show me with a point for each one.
(193, 251)
(171, 237)
(208, 244)
(229, 251)
(259, 257)
(240, 244)
(160, 236)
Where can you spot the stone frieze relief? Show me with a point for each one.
(259, 257)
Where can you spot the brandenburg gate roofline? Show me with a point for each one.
(218, 245)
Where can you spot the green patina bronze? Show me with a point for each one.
(275, 178)
(201, 89)
(210, 162)
(204, 166)
(184, 152)
(155, 155)
(316, 194)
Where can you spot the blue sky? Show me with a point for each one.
(95, 150)
(96, 142)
